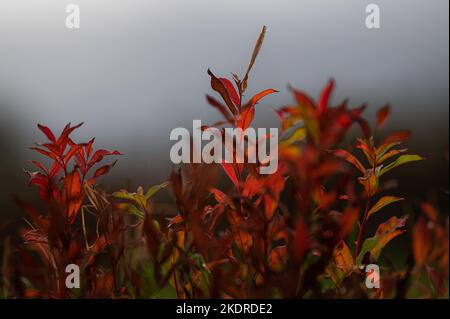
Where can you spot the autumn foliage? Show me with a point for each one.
(306, 231)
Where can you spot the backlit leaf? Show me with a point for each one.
(325, 95)
(256, 49)
(350, 158)
(246, 117)
(154, 189)
(257, 97)
(403, 159)
(220, 88)
(231, 91)
(384, 234)
(421, 242)
(47, 132)
(383, 201)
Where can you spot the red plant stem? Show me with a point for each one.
(176, 283)
(358, 241)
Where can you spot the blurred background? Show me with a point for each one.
(137, 69)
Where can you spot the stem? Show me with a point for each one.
(176, 283)
(83, 223)
(361, 227)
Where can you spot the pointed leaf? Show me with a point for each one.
(325, 95)
(103, 170)
(231, 91)
(403, 159)
(246, 117)
(229, 170)
(384, 234)
(154, 189)
(257, 97)
(220, 107)
(350, 158)
(220, 88)
(256, 49)
(383, 201)
(47, 132)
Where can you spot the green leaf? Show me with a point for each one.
(350, 158)
(123, 195)
(297, 135)
(152, 190)
(375, 245)
(383, 149)
(384, 234)
(133, 210)
(383, 201)
(403, 159)
(390, 154)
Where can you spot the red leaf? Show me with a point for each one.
(302, 98)
(54, 169)
(47, 132)
(99, 155)
(77, 148)
(229, 170)
(88, 147)
(325, 95)
(349, 158)
(103, 170)
(73, 195)
(255, 99)
(231, 91)
(41, 151)
(38, 164)
(42, 182)
(246, 117)
(220, 107)
(382, 115)
(220, 88)
(252, 186)
(399, 136)
(63, 139)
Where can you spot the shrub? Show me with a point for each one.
(298, 233)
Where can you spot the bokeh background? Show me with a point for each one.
(137, 69)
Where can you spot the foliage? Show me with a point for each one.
(304, 231)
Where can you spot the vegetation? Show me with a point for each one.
(305, 231)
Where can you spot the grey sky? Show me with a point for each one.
(136, 69)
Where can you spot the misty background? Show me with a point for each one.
(137, 69)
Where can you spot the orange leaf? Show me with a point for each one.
(220, 107)
(325, 95)
(383, 201)
(246, 117)
(229, 170)
(399, 136)
(220, 88)
(421, 242)
(257, 97)
(73, 195)
(231, 91)
(350, 158)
